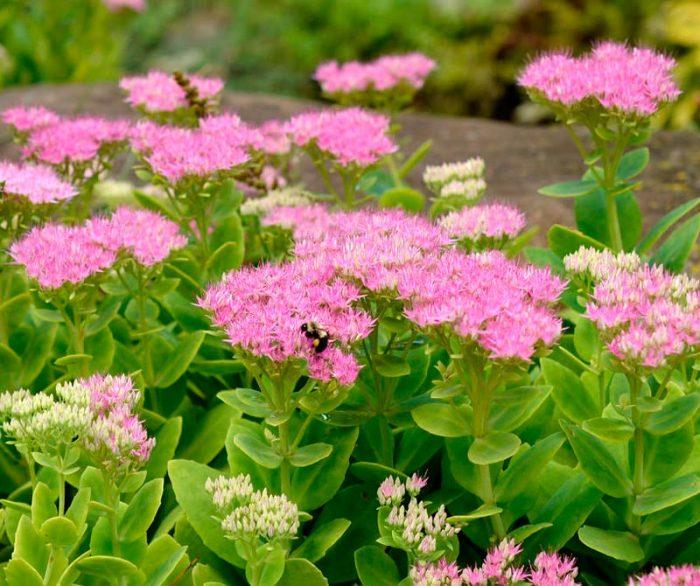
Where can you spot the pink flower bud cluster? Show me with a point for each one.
(219, 146)
(504, 307)
(274, 138)
(75, 140)
(115, 438)
(55, 254)
(263, 308)
(35, 183)
(380, 75)
(686, 575)
(630, 80)
(548, 569)
(349, 136)
(392, 490)
(647, 316)
(250, 514)
(488, 222)
(159, 92)
(25, 119)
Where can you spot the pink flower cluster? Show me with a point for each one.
(159, 92)
(647, 315)
(382, 74)
(146, 235)
(116, 437)
(630, 80)
(548, 569)
(504, 307)
(74, 140)
(370, 248)
(36, 183)
(494, 221)
(263, 308)
(55, 254)
(26, 119)
(117, 5)
(686, 575)
(350, 136)
(218, 146)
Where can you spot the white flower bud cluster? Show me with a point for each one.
(289, 197)
(593, 264)
(418, 527)
(265, 516)
(21, 404)
(74, 393)
(53, 424)
(227, 492)
(464, 179)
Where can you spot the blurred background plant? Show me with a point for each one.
(275, 45)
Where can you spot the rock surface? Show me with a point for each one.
(519, 159)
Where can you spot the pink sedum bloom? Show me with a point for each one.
(108, 392)
(146, 235)
(263, 308)
(440, 573)
(553, 569)
(55, 254)
(180, 153)
(489, 221)
(274, 139)
(349, 136)
(647, 315)
(504, 307)
(117, 5)
(630, 80)
(36, 183)
(381, 74)
(159, 92)
(686, 575)
(75, 140)
(25, 119)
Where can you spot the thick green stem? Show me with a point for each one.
(638, 439)
(285, 467)
(61, 494)
(480, 393)
(613, 221)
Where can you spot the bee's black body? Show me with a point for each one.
(317, 334)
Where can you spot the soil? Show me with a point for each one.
(519, 159)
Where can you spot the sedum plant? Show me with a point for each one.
(208, 382)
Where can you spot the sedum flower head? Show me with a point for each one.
(286, 198)
(504, 307)
(159, 91)
(382, 74)
(484, 224)
(594, 265)
(631, 81)
(55, 254)
(229, 492)
(75, 140)
(349, 137)
(436, 177)
(391, 491)
(250, 514)
(685, 575)
(35, 183)
(647, 316)
(147, 236)
(205, 152)
(263, 308)
(24, 119)
(553, 569)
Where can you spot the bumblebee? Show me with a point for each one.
(318, 335)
